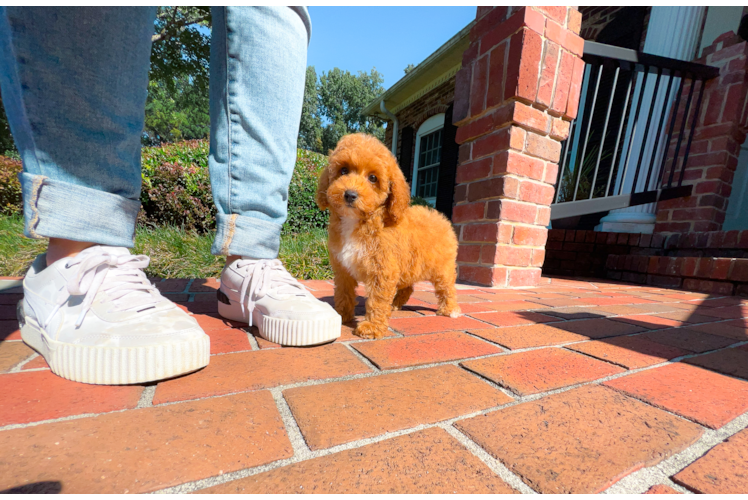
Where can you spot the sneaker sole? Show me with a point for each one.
(115, 365)
(288, 332)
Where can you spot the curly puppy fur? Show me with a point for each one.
(375, 237)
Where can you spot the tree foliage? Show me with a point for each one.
(342, 98)
(175, 115)
(310, 128)
(180, 47)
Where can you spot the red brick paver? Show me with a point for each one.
(13, 353)
(433, 324)
(424, 349)
(579, 441)
(41, 395)
(630, 352)
(514, 318)
(689, 339)
(248, 371)
(701, 395)
(728, 361)
(341, 412)
(661, 489)
(57, 435)
(724, 469)
(146, 449)
(520, 337)
(429, 461)
(599, 328)
(541, 370)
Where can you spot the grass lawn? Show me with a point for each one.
(174, 253)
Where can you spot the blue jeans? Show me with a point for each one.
(74, 85)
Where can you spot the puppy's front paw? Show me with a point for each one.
(452, 312)
(346, 314)
(368, 330)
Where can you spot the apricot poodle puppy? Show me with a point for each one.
(377, 238)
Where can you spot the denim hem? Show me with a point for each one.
(56, 209)
(246, 236)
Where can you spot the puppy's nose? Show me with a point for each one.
(350, 196)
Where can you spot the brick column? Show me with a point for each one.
(515, 96)
(720, 130)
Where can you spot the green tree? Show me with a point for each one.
(181, 113)
(180, 46)
(409, 68)
(310, 128)
(342, 98)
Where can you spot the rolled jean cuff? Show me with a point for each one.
(55, 209)
(246, 236)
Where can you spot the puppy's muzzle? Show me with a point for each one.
(350, 196)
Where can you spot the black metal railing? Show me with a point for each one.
(632, 107)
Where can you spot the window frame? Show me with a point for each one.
(431, 125)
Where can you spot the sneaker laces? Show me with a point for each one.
(117, 274)
(266, 275)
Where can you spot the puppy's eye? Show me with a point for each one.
(372, 178)
(344, 171)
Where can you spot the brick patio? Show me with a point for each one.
(572, 386)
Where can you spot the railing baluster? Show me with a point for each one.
(670, 136)
(620, 130)
(693, 127)
(682, 129)
(565, 153)
(605, 129)
(580, 163)
(633, 135)
(663, 114)
(646, 128)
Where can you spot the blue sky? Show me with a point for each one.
(388, 38)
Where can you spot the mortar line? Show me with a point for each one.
(19, 366)
(362, 358)
(645, 478)
(146, 397)
(492, 463)
(301, 450)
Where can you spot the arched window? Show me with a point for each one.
(428, 156)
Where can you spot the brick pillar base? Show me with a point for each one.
(515, 96)
(713, 157)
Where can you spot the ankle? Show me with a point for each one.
(59, 248)
(232, 258)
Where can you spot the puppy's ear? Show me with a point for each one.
(399, 197)
(322, 184)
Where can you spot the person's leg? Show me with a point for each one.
(257, 71)
(74, 83)
(74, 89)
(258, 68)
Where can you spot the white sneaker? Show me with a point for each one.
(97, 319)
(262, 293)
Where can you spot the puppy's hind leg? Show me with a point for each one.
(444, 287)
(401, 298)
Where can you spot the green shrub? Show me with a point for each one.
(303, 212)
(10, 186)
(417, 200)
(176, 187)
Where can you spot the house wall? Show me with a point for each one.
(595, 19)
(434, 102)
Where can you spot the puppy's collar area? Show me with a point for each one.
(263, 277)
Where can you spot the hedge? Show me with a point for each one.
(176, 188)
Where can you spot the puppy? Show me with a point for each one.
(375, 237)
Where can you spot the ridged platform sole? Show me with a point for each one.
(116, 365)
(288, 332)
